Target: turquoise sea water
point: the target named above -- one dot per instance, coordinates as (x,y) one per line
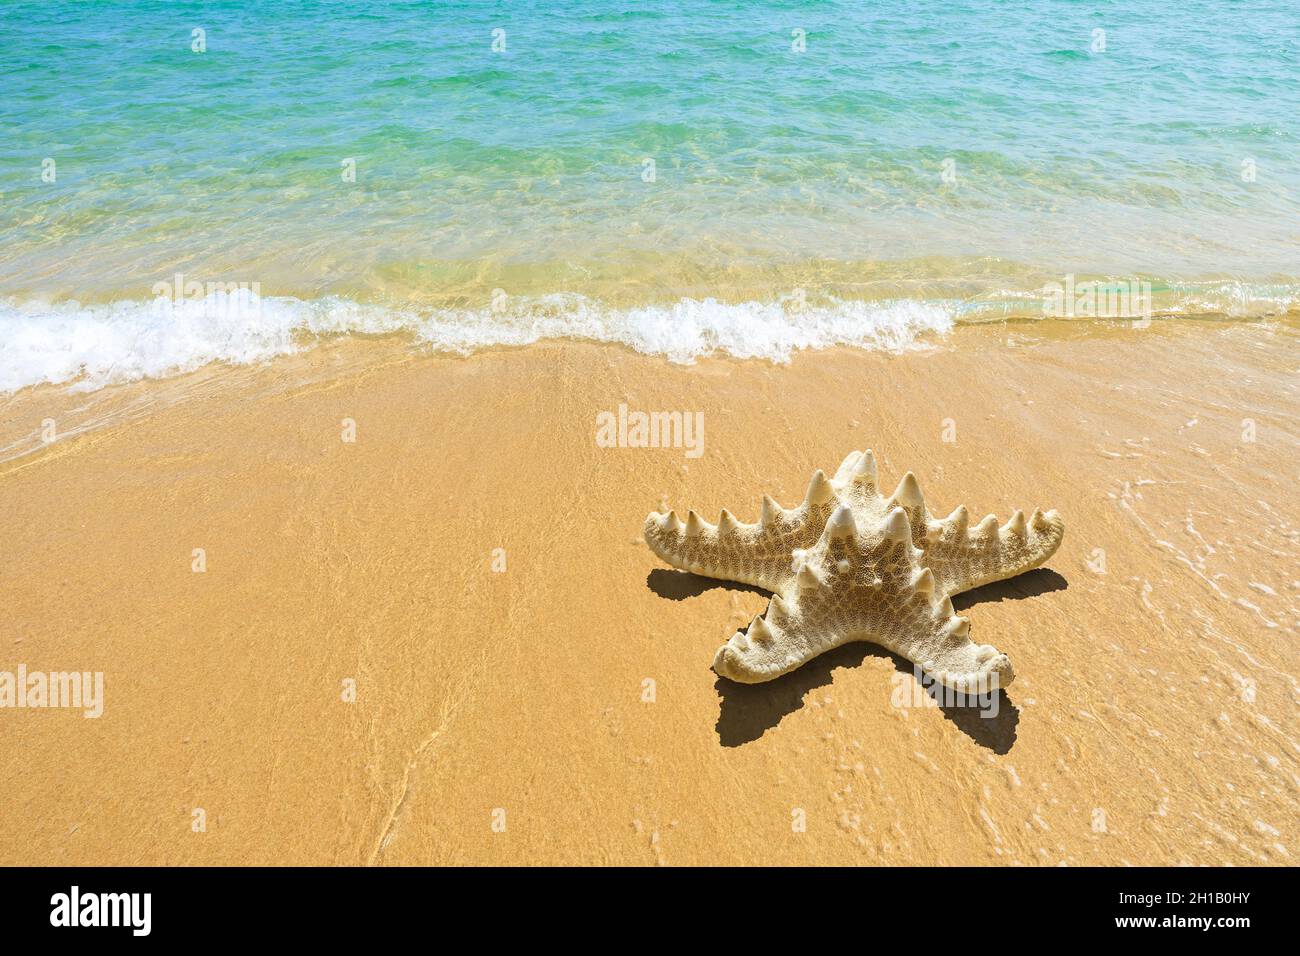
(892,167)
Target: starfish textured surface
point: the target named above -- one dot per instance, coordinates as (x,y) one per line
(849,564)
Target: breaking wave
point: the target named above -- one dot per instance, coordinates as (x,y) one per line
(90,346)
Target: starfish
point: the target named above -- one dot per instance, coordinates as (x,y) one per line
(849,564)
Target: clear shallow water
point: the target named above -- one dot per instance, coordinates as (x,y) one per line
(780,177)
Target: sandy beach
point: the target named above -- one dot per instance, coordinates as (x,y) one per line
(532,686)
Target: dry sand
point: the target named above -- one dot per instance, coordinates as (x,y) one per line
(1153,719)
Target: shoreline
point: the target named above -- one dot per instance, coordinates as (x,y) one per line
(183,327)
(1151,721)
(346,353)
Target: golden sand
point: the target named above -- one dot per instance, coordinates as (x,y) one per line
(504,716)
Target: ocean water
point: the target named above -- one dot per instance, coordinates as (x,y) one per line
(687,177)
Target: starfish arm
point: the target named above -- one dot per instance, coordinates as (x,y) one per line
(850,590)
(746,554)
(963,558)
(760,554)
(930,636)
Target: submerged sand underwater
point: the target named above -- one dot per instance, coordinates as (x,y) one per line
(502,710)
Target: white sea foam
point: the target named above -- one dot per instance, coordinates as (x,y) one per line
(90,346)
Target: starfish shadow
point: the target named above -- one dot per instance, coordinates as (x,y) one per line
(1027,585)
(747,711)
(680,585)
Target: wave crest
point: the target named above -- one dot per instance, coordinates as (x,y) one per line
(92,346)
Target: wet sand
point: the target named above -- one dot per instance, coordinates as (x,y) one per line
(501,715)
